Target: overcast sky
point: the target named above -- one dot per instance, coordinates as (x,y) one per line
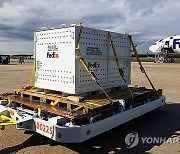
(146,20)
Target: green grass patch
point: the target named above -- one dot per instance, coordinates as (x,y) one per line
(133,59)
(177,60)
(150,59)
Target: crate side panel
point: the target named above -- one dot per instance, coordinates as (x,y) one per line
(113,73)
(97,52)
(121,44)
(98,67)
(55,59)
(94,43)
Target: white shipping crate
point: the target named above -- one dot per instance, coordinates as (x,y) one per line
(58,67)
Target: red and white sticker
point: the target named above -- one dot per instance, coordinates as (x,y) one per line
(43,129)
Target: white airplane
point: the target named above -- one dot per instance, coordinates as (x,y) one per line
(166,49)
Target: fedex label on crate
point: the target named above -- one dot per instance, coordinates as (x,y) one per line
(43,128)
(52,52)
(94,65)
(52,55)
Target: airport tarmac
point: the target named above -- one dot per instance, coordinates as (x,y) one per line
(161,125)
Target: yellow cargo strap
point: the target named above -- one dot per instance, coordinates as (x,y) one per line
(9,101)
(17,91)
(82,106)
(140,64)
(79,24)
(95,104)
(32,75)
(39,109)
(76,109)
(117,61)
(5,121)
(91,74)
(116,57)
(55,103)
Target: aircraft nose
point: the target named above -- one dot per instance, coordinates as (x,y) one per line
(154,48)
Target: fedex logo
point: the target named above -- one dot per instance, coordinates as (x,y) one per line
(94,65)
(52,55)
(176,42)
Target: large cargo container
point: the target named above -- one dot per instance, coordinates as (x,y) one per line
(58,66)
(74,119)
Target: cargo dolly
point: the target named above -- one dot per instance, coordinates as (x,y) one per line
(71,118)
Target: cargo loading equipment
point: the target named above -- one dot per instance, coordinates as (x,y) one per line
(84,112)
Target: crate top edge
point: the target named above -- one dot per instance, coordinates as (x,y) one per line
(44,29)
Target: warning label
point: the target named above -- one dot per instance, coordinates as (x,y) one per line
(93,51)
